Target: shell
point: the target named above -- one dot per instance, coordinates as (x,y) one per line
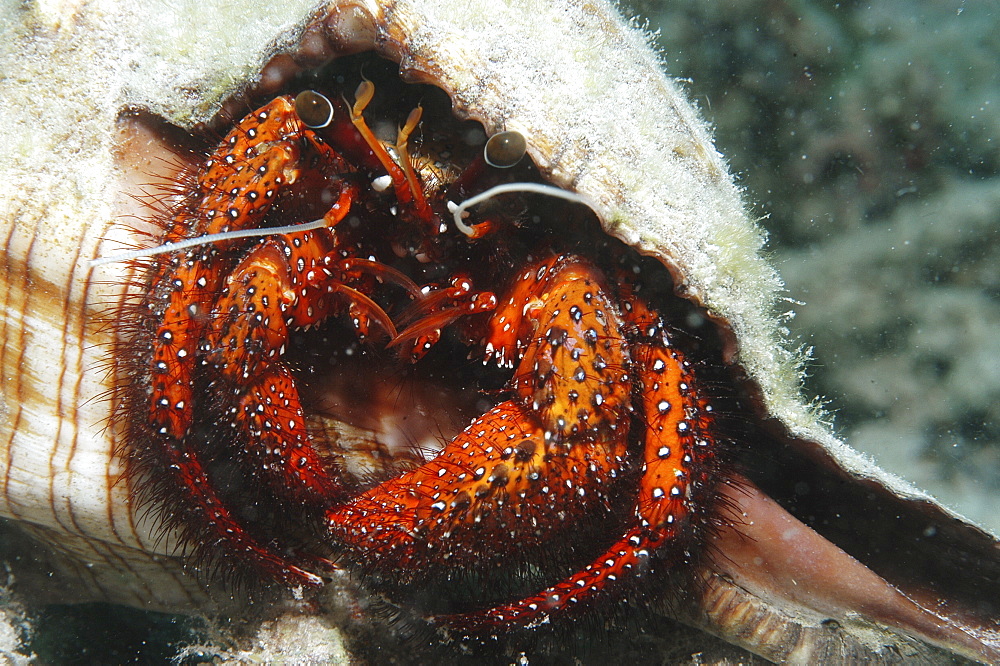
(602,120)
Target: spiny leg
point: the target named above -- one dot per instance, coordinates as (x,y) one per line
(500,481)
(291,280)
(288,282)
(236,187)
(680,440)
(272,426)
(679,446)
(529,467)
(209,524)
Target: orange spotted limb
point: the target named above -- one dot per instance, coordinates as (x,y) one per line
(501,482)
(289,281)
(574,370)
(270,417)
(258,158)
(678,447)
(208,523)
(532,465)
(236,187)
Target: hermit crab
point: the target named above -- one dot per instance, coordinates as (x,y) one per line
(211,352)
(621,464)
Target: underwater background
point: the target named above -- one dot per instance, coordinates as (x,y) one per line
(867,138)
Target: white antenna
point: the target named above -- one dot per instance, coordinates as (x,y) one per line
(533,188)
(205,240)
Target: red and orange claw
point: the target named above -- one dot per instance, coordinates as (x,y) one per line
(236,188)
(500,482)
(574,372)
(217,312)
(531,467)
(286,282)
(516,317)
(239,182)
(679,450)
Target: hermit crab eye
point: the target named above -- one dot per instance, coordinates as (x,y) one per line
(314,109)
(505,149)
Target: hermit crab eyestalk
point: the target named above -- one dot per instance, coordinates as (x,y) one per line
(505,149)
(314,109)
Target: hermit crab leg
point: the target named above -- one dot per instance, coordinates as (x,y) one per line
(270,418)
(236,187)
(290,281)
(500,481)
(680,446)
(208,522)
(678,453)
(234,190)
(531,466)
